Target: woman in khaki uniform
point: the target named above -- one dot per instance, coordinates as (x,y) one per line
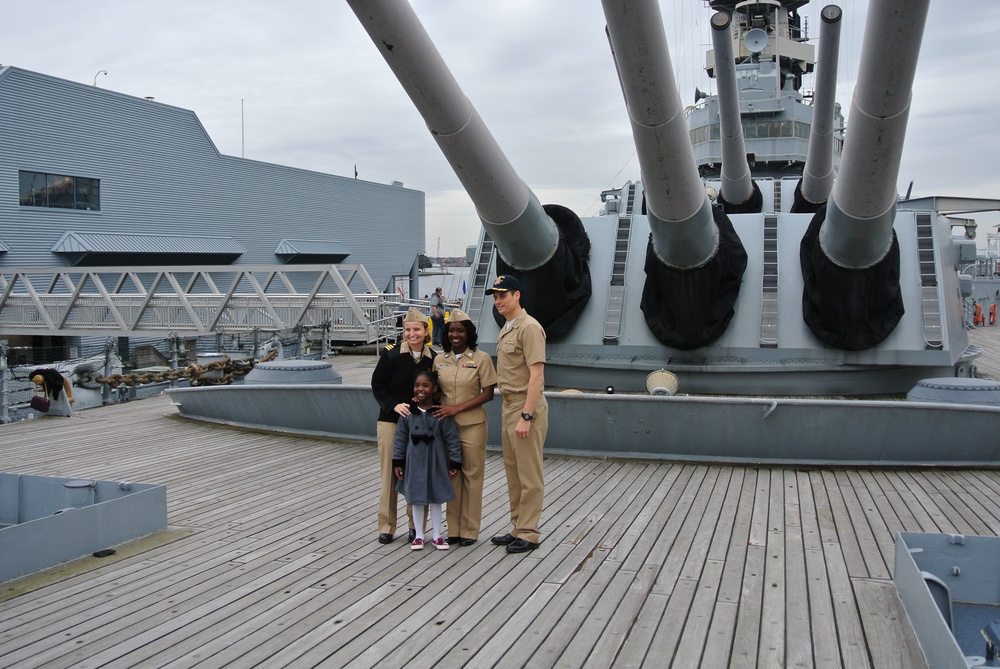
(467,379)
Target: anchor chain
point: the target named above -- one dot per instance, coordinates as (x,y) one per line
(194,373)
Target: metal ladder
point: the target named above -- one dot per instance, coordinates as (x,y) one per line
(480,273)
(769,286)
(929,302)
(616,291)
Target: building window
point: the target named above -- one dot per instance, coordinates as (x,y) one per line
(59,191)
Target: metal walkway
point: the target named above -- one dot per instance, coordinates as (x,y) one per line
(128,301)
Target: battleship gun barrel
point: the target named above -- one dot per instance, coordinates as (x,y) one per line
(737,186)
(524,234)
(850,257)
(857,232)
(680,213)
(817,176)
(694,260)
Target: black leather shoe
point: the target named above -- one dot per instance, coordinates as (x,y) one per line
(466,542)
(411,536)
(385,538)
(521,546)
(503,539)
(454,540)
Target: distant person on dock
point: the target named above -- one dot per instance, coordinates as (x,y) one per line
(392,385)
(520,380)
(437,315)
(56,388)
(426,454)
(467,380)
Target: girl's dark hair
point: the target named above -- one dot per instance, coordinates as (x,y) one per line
(429,373)
(470,330)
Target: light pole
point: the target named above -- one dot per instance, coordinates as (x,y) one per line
(99,72)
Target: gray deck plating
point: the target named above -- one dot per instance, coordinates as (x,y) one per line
(45,521)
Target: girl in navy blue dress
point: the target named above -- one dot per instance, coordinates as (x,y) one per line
(426,455)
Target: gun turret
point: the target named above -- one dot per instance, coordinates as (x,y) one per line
(799,302)
(547,246)
(849,254)
(818,174)
(695,260)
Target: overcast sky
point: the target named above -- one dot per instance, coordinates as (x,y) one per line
(301,84)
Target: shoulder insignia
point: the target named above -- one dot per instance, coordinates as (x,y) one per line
(389,347)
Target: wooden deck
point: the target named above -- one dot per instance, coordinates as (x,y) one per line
(271,560)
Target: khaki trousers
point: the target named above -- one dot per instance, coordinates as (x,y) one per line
(388,497)
(522,462)
(465,512)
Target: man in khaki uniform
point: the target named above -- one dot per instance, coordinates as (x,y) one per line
(520,379)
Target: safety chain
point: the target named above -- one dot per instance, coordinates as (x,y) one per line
(194,373)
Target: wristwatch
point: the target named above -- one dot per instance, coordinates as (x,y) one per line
(526,416)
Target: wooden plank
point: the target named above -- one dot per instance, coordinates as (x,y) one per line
(981,496)
(844,532)
(694,637)
(771,651)
(746,636)
(127,644)
(715,489)
(718,643)
(968,506)
(635,587)
(272,628)
(687,539)
(731,585)
(722,631)
(869,526)
(97,620)
(853,651)
(571,641)
(660,551)
(672,623)
(583,599)
(797,633)
(641,533)
(922,521)
(891,641)
(634,651)
(822,622)
(925,502)
(727,515)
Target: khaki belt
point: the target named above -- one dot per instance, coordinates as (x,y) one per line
(512,397)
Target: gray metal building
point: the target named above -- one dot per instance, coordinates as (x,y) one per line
(92,177)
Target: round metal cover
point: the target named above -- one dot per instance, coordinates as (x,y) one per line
(662,382)
(293,371)
(956,391)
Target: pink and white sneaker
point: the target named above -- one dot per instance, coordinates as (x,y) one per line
(440,544)
(417,545)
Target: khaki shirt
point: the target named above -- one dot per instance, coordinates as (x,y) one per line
(462,380)
(517,349)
